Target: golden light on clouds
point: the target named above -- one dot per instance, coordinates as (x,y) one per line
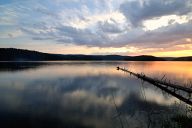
(188,40)
(173,51)
(178,53)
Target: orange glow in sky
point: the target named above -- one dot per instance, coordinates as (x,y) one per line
(178,53)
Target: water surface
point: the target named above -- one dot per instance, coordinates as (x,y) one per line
(84,94)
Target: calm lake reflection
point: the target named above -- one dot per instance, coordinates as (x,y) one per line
(84,94)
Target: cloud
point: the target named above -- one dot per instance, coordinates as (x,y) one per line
(164,36)
(9,32)
(138,11)
(78,36)
(111,35)
(100,24)
(168,34)
(110,27)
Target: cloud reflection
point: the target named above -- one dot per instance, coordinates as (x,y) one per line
(73,95)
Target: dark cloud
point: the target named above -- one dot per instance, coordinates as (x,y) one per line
(169,35)
(109,27)
(137,11)
(171,22)
(80,36)
(135,37)
(10,35)
(68,34)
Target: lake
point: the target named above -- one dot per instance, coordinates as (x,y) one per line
(83,94)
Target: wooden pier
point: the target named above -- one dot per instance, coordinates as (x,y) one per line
(168,87)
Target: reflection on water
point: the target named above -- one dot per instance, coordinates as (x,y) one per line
(79,94)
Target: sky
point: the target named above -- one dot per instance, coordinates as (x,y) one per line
(123,27)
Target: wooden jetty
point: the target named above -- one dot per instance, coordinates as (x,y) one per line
(168,87)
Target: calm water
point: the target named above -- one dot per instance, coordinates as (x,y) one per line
(84,94)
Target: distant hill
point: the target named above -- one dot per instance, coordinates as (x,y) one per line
(12,54)
(187,58)
(168,58)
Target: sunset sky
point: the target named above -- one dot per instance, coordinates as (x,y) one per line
(123,27)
